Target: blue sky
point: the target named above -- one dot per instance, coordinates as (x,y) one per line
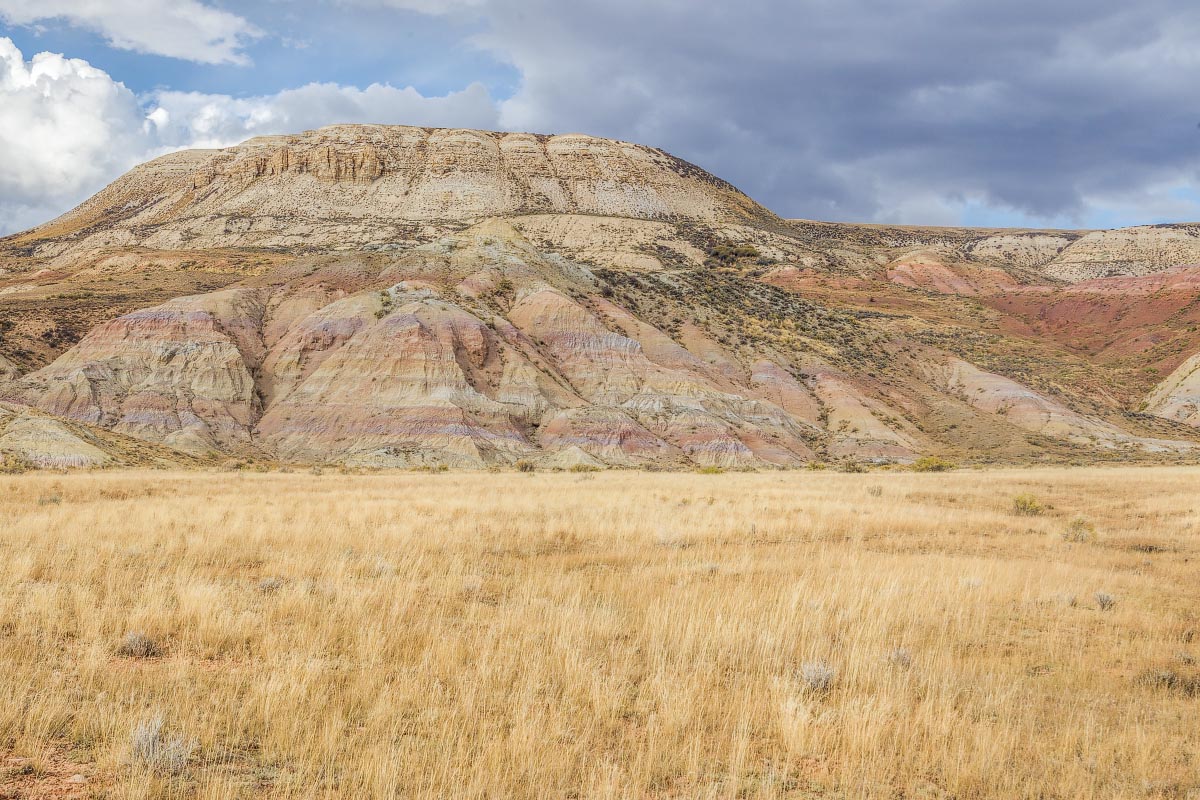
(325,43)
(1056,113)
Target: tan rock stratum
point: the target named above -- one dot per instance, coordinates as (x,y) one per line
(1178,397)
(393,296)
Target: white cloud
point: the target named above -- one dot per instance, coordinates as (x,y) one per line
(432,7)
(67,128)
(186,29)
(187,119)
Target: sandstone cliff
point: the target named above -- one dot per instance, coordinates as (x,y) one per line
(355,186)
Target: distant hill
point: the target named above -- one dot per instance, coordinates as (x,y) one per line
(395,296)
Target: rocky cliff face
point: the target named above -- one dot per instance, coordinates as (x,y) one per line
(354,186)
(379,296)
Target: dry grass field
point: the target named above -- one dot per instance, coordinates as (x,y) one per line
(607,635)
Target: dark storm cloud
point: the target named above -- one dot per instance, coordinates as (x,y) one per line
(926,111)
(878,110)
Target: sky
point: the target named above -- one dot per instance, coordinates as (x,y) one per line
(1054,113)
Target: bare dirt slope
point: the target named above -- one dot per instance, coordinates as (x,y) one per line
(391,296)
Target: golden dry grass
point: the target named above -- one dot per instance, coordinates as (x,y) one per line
(619,635)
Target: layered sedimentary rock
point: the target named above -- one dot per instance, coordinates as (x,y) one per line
(1050,256)
(929,271)
(32,438)
(177,374)
(45,442)
(1129,251)
(1035,412)
(391,296)
(417,374)
(1178,397)
(424,382)
(376,185)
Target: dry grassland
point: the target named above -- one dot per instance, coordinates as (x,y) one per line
(611,635)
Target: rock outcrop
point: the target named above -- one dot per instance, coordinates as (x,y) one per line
(1178,397)
(1128,251)
(1035,412)
(30,438)
(395,297)
(378,185)
(923,257)
(42,441)
(412,374)
(175,374)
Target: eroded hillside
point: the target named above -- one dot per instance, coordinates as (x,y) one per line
(383,296)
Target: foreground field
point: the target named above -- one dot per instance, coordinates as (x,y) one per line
(807,635)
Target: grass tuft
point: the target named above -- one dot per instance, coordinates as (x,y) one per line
(138,645)
(152,748)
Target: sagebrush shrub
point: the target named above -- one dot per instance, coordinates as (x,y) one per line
(1080,529)
(270,585)
(1172,681)
(1026,505)
(138,645)
(150,747)
(932,464)
(817,676)
(900,657)
(13,464)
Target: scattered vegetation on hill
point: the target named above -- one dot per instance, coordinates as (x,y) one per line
(746,313)
(728,254)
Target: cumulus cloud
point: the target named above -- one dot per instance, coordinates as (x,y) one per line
(185,29)
(187,119)
(67,128)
